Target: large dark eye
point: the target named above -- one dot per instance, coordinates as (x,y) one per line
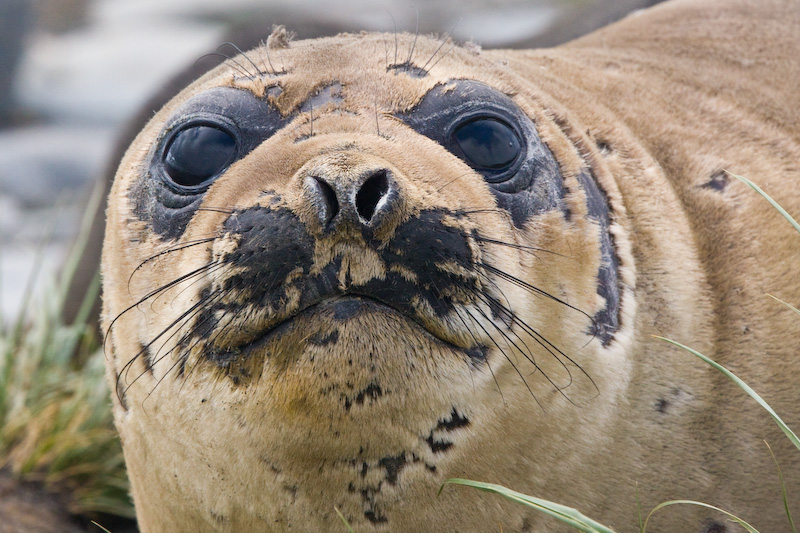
(487,143)
(197,154)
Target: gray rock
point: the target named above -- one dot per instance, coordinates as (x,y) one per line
(40,164)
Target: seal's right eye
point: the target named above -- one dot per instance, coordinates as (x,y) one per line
(197,154)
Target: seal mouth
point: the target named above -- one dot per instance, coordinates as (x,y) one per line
(348,307)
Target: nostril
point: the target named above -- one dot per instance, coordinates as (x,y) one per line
(324,199)
(371,193)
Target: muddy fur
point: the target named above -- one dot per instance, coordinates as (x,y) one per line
(280,346)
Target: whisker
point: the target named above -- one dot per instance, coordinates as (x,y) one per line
(452,47)
(488,362)
(204,275)
(213,267)
(528,355)
(491,337)
(263,51)
(151,294)
(198,307)
(530,288)
(416,35)
(532,249)
(551,348)
(241,66)
(527,352)
(171,249)
(443,41)
(513,318)
(495,304)
(241,52)
(455,179)
(216,210)
(236,66)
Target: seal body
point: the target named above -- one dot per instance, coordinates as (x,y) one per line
(339,272)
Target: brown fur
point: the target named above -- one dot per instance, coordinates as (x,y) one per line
(656,106)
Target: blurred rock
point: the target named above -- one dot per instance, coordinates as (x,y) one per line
(40,164)
(26,508)
(15,22)
(58,16)
(102,74)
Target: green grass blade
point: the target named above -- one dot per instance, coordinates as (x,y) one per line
(568,515)
(735,518)
(775,204)
(346,523)
(783,489)
(745,387)
(790,306)
(101,527)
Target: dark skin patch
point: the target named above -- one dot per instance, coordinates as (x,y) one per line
(372,391)
(717,182)
(455,421)
(606,321)
(451,423)
(409,69)
(318,339)
(662,405)
(371,513)
(478,354)
(436,445)
(329,94)
(716,527)
(346,309)
(604,148)
(393,465)
(147,358)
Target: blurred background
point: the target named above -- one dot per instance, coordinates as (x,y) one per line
(78,77)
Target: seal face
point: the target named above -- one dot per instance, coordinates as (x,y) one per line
(342,282)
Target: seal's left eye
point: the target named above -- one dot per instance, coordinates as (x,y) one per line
(197,154)
(487,143)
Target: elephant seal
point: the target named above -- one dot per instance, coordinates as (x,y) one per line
(338,272)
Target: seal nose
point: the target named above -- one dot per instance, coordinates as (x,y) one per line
(361,202)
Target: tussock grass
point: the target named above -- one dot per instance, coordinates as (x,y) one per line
(56,426)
